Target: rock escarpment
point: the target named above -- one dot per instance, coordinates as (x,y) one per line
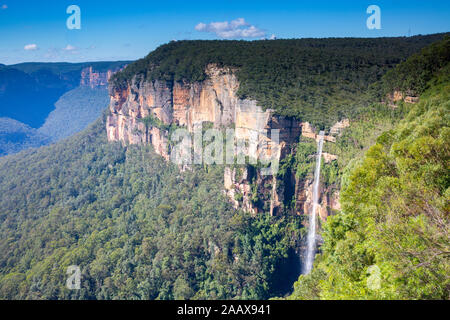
(94,79)
(328,200)
(214,100)
(309,132)
(186,105)
(396,96)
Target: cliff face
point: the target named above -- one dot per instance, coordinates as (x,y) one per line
(129,106)
(328,201)
(96,79)
(213,100)
(396,96)
(309,132)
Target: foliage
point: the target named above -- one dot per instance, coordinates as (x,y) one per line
(152,121)
(413,75)
(364,130)
(315,80)
(16,136)
(391,241)
(329,173)
(305,157)
(74,111)
(136,226)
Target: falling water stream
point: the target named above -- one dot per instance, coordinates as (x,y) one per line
(311,249)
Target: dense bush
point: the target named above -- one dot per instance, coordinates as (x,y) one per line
(74,111)
(413,76)
(391,240)
(137,227)
(316,80)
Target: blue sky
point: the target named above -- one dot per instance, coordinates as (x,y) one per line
(127,30)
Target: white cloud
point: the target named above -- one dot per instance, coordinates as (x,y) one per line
(238,28)
(201,27)
(69,48)
(4,7)
(31,47)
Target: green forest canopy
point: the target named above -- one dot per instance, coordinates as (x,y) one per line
(316,80)
(136,226)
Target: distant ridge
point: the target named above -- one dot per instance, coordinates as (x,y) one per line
(64,67)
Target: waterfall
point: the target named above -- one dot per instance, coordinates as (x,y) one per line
(312,216)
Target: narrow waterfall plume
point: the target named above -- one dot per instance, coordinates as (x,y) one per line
(311,250)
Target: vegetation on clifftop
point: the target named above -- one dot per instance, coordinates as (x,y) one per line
(140,229)
(315,80)
(413,76)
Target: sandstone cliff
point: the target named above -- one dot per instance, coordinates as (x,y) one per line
(213,100)
(328,201)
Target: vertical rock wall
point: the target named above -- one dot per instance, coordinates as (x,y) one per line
(213,100)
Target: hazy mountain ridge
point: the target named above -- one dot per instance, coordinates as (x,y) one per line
(16,136)
(74,111)
(29,92)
